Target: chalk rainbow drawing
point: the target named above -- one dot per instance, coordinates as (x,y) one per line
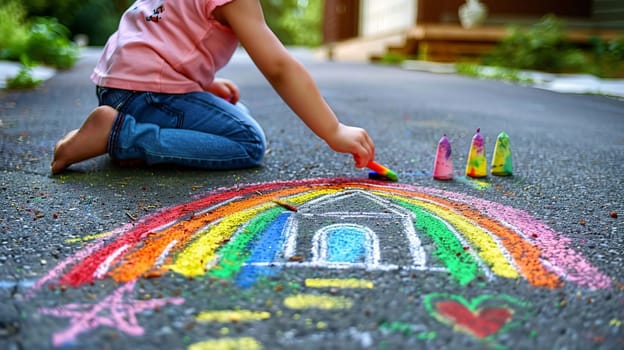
(239,233)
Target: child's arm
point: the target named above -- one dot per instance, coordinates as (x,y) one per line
(292,82)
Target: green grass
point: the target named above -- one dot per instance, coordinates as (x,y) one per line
(496,73)
(23,80)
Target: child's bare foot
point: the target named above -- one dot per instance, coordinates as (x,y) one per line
(87,142)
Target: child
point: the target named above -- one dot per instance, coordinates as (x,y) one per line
(161,103)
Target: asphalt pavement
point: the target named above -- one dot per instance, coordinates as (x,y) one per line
(109,257)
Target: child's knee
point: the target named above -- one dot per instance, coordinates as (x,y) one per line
(106,112)
(256,152)
(102,116)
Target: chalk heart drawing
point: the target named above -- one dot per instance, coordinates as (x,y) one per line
(481,317)
(240,233)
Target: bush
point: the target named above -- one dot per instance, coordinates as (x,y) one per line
(607,57)
(294,22)
(95,18)
(13,30)
(44,40)
(541,47)
(48,43)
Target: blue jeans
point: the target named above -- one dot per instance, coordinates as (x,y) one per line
(195,129)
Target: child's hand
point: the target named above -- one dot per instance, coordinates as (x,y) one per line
(349,139)
(225,89)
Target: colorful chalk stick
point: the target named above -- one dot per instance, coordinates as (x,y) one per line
(501,160)
(476,165)
(443,164)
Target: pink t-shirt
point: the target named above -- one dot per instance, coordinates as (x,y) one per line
(171,46)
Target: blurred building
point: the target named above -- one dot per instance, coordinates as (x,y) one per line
(431,29)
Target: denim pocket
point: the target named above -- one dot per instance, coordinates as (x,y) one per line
(115,98)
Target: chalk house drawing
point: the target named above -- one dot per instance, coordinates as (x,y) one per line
(351,242)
